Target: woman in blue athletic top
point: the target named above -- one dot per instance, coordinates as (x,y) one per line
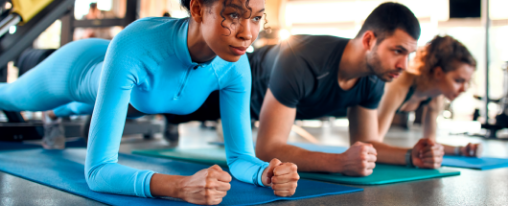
(441,69)
(160,65)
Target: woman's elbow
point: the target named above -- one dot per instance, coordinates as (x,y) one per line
(91,177)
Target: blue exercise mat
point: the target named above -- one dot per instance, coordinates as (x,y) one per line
(65,170)
(482,163)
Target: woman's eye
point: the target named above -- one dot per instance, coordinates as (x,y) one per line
(257,18)
(234,15)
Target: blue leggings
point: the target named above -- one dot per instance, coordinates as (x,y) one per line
(58,81)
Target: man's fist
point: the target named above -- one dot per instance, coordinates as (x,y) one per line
(359,160)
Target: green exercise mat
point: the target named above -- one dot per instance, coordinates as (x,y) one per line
(383,173)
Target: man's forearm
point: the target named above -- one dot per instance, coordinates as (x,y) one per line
(389,154)
(307,161)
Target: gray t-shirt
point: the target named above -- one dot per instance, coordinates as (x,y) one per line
(302,73)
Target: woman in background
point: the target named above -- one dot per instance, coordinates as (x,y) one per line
(441,69)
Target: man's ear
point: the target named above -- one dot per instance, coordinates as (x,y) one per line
(197,10)
(368,40)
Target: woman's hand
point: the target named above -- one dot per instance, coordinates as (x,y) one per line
(206,187)
(471,150)
(427,154)
(282,177)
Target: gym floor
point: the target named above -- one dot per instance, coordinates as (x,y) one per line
(472,187)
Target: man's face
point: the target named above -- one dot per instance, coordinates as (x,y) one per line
(389,58)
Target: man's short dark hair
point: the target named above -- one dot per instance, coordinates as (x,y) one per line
(388,17)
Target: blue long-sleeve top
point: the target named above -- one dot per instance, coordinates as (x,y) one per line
(149,66)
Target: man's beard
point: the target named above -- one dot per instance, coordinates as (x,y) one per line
(375,68)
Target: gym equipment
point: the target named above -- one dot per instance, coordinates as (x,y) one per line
(30,58)
(34,17)
(22,12)
(34,130)
(64,170)
(17,129)
(383,173)
(4,146)
(502,116)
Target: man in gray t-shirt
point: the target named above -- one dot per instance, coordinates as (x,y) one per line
(301,73)
(314,76)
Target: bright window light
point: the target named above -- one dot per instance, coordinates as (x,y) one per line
(12,30)
(104,5)
(284,34)
(250,49)
(447,114)
(81,8)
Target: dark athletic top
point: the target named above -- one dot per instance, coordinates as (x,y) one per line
(409,95)
(302,73)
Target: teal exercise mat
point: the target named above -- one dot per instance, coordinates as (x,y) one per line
(383,174)
(482,163)
(64,170)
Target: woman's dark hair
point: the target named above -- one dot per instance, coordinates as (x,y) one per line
(186,5)
(445,52)
(388,17)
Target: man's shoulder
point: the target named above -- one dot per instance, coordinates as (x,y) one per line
(315,39)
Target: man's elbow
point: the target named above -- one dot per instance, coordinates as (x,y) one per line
(366,140)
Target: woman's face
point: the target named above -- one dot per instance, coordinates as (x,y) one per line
(454,82)
(230,29)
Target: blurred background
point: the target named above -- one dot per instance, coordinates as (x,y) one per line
(465,20)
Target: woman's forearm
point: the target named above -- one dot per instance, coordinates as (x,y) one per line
(166,185)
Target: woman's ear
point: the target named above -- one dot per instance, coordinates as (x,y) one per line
(438,73)
(197,10)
